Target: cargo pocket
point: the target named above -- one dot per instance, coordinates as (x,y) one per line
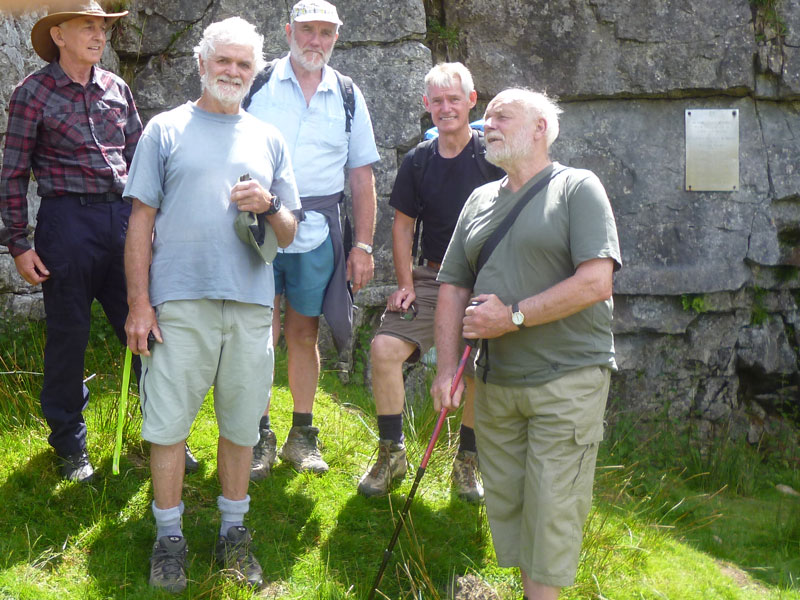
(587,440)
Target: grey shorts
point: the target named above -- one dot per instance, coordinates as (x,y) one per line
(538,447)
(207,343)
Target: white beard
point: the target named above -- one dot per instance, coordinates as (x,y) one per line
(226,95)
(514,148)
(315,63)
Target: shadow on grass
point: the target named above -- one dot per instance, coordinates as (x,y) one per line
(433,546)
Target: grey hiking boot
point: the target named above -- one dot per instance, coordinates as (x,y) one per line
(190,462)
(301,450)
(264,453)
(233,554)
(465,476)
(390,465)
(168,563)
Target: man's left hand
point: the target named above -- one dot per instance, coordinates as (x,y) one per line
(360,268)
(251,196)
(489,319)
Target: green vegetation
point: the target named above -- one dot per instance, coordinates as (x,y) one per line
(442,40)
(671,519)
(694,302)
(768,21)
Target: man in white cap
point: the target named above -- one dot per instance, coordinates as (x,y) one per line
(75,126)
(326,124)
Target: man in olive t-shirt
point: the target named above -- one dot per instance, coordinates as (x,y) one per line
(544,311)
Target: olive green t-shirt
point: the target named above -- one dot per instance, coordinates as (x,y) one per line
(567,223)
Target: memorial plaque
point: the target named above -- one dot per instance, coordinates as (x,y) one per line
(712,150)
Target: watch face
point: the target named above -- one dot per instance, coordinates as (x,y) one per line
(517,318)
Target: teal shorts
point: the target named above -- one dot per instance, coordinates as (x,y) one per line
(207,343)
(303,277)
(538,447)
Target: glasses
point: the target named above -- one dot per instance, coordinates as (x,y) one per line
(410,314)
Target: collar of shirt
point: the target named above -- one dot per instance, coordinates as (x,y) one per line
(63,80)
(285,71)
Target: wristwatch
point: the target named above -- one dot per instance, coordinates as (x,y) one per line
(365,247)
(517,318)
(276,206)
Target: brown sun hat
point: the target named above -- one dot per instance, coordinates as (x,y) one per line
(41,40)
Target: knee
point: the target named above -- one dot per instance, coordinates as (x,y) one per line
(387,352)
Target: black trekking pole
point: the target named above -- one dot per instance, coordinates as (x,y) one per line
(387,554)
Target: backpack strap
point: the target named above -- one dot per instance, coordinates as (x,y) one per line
(420,158)
(479,154)
(259,81)
(348,98)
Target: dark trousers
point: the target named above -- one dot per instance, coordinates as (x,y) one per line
(82,245)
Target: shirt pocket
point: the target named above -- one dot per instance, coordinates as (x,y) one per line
(109,120)
(329,130)
(65,127)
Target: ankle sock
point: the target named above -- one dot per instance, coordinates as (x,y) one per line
(232,513)
(390,427)
(264,422)
(302,419)
(466,439)
(168,520)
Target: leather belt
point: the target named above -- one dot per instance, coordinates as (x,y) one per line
(105,197)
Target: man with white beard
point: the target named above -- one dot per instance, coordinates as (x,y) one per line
(541,304)
(326,133)
(202,295)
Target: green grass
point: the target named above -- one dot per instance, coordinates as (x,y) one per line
(659,527)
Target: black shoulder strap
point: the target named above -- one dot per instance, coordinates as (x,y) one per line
(419,159)
(259,81)
(348,98)
(479,154)
(508,221)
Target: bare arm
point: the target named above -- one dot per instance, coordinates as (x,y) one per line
(138,252)
(402,240)
(450,308)
(591,283)
(360,265)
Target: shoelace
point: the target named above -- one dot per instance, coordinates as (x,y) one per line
(382,463)
(168,563)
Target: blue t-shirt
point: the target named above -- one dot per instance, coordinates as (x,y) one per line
(185,165)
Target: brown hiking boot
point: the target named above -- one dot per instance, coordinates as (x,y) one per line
(465,476)
(390,465)
(264,454)
(301,450)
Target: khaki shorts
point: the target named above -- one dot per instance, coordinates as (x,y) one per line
(538,447)
(419,331)
(207,342)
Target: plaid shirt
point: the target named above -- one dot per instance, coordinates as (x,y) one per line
(76,139)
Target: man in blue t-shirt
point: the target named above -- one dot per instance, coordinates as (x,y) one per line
(202,293)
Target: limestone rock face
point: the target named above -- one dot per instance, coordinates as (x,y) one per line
(707,320)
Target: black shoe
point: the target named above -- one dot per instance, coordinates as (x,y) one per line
(192,466)
(168,563)
(76,467)
(233,553)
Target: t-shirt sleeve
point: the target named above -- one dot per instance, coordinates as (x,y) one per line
(361,148)
(592,229)
(403,197)
(147,173)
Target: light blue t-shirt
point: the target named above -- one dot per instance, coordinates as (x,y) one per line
(185,165)
(315,135)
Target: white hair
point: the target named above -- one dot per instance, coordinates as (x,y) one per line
(236,31)
(444,75)
(537,106)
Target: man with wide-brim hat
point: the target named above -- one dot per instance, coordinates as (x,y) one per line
(75,126)
(43,39)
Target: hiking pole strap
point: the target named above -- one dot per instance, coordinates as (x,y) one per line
(122,409)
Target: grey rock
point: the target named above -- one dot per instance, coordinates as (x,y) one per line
(780,124)
(392,80)
(606,47)
(766,349)
(381,20)
(690,242)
